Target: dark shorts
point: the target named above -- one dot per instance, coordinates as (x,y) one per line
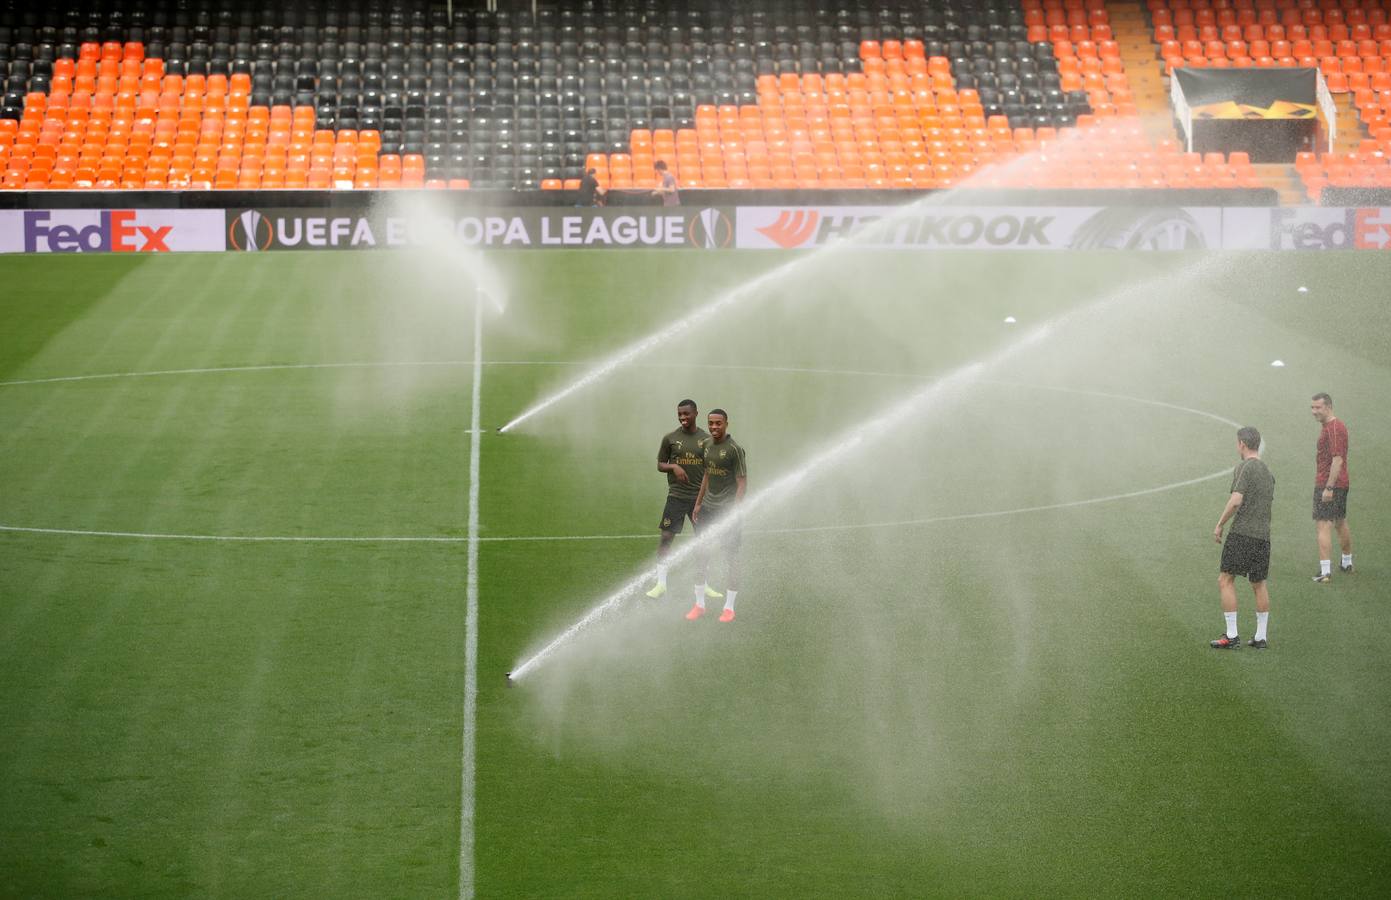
(1334,509)
(710,516)
(677,510)
(1242,555)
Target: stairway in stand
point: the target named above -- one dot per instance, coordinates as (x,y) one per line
(1350,132)
(1143,68)
(1150,85)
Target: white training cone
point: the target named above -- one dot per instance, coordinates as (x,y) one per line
(1278,364)
(1009,320)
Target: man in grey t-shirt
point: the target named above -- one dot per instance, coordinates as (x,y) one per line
(666,185)
(1247,548)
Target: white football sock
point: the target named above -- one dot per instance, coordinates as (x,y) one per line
(729,598)
(1325,567)
(662,576)
(1231,624)
(1347,560)
(700,595)
(1261,618)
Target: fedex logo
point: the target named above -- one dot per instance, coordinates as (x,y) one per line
(114,231)
(1318,228)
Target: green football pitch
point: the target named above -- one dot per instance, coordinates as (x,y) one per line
(971,651)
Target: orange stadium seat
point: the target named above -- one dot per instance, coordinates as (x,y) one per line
(894,116)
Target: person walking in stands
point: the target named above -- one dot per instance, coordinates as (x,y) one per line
(1247,550)
(666,185)
(1331,488)
(591,193)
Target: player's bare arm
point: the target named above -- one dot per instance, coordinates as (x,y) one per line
(740,485)
(673,469)
(700,496)
(1334,470)
(1233,504)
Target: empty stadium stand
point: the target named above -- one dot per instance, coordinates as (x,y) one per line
(1341,37)
(764,94)
(917,96)
(1349,41)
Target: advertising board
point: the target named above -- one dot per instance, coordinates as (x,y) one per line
(110,230)
(265,229)
(915,227)
(924,226)
(1327,228)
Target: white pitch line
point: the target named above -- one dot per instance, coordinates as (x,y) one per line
(553,538)
(240,538)
(518,363)
(215,370)
(787,370)
(469,764)
(960,517)
(316,539)
(291,367)
(637,581)
(475,431)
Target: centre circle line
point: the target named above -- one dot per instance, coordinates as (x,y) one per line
(552,538)
(452,539)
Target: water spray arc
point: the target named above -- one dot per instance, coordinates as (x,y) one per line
(745,291)
(866,235)
(749,290)
(841,445)
(786,486)
(657,339)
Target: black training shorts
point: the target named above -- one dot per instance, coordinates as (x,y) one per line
(1334,509)
(677,510)
(1248,556)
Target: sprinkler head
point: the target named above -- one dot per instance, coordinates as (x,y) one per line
(510,682)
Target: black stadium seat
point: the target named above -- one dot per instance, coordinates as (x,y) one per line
(516,95)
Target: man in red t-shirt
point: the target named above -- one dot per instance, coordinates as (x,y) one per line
(1331,488)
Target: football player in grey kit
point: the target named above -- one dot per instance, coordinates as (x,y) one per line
(680,456)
